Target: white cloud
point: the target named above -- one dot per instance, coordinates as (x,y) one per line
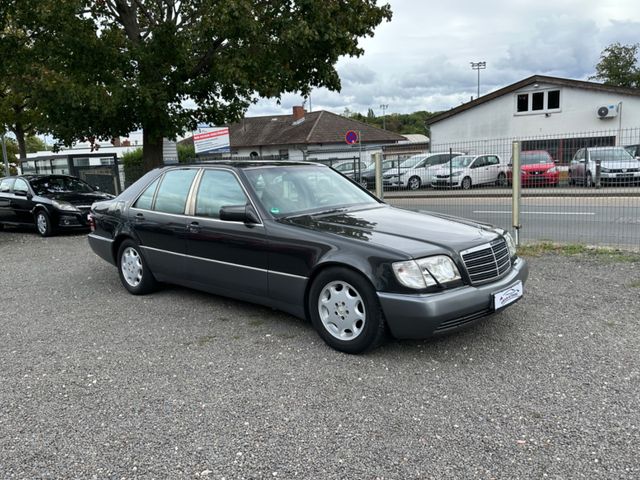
(420,60)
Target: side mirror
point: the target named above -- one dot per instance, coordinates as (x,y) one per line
(21,193)
(239,213)
(96,188)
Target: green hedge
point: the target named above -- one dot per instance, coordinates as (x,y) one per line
(132,164)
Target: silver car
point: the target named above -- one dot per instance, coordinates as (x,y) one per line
(616,166)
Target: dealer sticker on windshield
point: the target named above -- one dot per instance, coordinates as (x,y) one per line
(507,296)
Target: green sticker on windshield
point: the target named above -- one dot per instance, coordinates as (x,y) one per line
(275,210)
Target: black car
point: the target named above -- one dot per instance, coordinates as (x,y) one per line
(302,238)
(48,202)
(368,176)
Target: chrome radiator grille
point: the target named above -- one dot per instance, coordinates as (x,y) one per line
(487,262)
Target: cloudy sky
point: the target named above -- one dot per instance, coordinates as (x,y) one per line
(420,60)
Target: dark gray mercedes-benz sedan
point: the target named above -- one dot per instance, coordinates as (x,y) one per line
(302,238)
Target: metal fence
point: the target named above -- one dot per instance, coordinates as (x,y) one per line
(576,188)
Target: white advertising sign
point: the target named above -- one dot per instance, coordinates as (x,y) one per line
(215,140)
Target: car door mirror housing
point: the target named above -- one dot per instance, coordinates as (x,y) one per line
(21,193)
(239,213)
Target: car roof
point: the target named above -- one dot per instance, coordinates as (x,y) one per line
(246,164)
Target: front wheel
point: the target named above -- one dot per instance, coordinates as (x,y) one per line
(345,311)
(134,273)
(502,180)
(414,183)
(43,223)
(589,181)
(466,183)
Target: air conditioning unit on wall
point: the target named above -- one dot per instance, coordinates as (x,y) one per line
(607,111)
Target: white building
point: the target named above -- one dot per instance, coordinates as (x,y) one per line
(549,113)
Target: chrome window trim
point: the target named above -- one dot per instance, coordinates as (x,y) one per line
(191,196)
(223,263)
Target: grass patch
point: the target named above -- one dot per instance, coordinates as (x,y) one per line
(603,253)
(635,284)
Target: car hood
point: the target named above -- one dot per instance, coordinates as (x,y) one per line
(533,167)
(445,170)
(619,164)
(415,234)
(78,198)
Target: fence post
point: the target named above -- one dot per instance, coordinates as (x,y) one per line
(377,158)
(516,193)
(7,170)
(450,167)
(597,181)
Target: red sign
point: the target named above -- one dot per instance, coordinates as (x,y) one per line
(351,137)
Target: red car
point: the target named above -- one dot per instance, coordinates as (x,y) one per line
(536,168)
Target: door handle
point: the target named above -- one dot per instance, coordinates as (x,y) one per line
(139,217)
(193,227)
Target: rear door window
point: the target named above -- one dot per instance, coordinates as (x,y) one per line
(173,191)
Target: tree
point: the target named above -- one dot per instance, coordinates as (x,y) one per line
(18,80)
(112,66)
(619,66)
(370,114)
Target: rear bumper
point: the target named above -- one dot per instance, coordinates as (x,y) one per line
(102,246)
(425,315)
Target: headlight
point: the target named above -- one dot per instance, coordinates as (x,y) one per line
(552,170)
(604,170)
(456,174)
(426,272)
(523,172)
(511,244)
(66,206)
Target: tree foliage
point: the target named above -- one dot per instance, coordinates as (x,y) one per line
(619,66)
(403,123)
(113,66)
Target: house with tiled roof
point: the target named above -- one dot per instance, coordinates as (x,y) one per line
(293,136)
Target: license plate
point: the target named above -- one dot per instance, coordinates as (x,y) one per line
(507,296)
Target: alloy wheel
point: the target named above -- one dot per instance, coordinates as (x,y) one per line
(131,266)
(341,309)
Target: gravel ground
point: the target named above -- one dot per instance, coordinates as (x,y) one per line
(96,383)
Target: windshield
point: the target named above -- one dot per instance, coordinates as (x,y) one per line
(610,155)
(460,162)
(293,190)
(531,158)
(631,149)
(45,185)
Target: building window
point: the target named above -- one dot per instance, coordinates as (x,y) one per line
(538,102)
(284,154)
(523,102)
(553,99)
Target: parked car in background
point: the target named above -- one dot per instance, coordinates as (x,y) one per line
(617,166)
(416,171)
(352,168)
(633,150)
(368,176)
(466,171)
(301,238)
(48,202)
(537,167)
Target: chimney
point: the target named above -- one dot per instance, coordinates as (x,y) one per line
(298,113)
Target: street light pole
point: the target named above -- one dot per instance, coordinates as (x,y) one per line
(384,118)
(478,66)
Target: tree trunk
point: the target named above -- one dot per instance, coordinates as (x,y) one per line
(20,138)
(152,150)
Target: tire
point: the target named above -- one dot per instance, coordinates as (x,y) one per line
(43,223)
(132,268)
(466,183)
(345,312)
(502,180)
(571,180)
(414,183)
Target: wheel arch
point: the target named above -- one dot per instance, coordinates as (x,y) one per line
(325,266)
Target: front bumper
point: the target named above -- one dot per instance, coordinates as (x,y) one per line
(425,315)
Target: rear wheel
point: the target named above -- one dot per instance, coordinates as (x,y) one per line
(502,180)
(466,183)
(414,183)
(43,223)
(134,273)
(345,311)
